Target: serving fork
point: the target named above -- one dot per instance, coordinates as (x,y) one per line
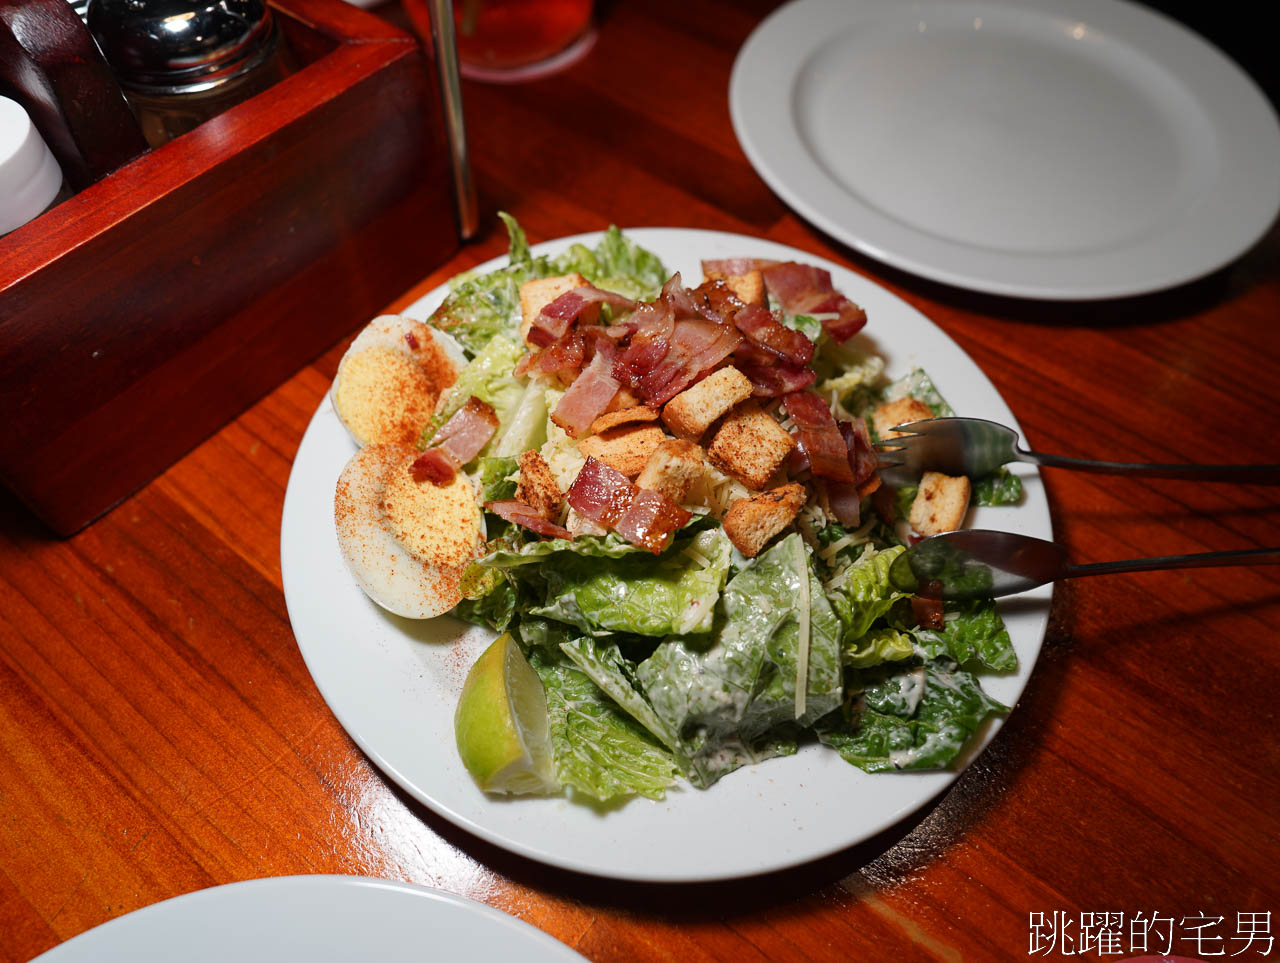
(974,448)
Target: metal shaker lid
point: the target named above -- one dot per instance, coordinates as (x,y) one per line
(181,46)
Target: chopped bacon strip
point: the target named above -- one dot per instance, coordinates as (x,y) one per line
(862,457)
(717,301)
(622,329)
(928,611)
(776,380)
(587,397)
(683,304)
(649,518)
(804,289)
(763,329)
(468,430)
(600,493)
(649,344)
(818,437)
(845,502)
(518,513)
(641,516)
(435,465)
(826,452)
(696,347)
(704,343)
(748,353)
(596,339)
(808,410)
(580,304)
(565,356)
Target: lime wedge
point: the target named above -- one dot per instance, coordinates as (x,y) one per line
(501,723)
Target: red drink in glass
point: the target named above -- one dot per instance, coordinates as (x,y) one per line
(497,35)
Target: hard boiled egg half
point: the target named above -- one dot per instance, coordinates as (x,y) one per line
(390,378)
(405,539)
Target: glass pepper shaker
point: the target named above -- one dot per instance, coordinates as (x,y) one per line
(182,62)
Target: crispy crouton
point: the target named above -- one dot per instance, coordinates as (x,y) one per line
(751,522)
(625,448)
(536,295)
(537,487)
(692,412)
(940,504)
(748,288)
(623,416)
(673,469)
(750,445)
(902,411)
(625,398)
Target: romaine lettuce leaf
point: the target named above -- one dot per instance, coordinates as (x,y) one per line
(599,750)
(518,253)
(527,426)
(847,373)
(488,598)
(494,474)
(543,635)
(904,721)
(863,593)
(480,307)
(511,553)
(506,554)
(671,594)
(623,266)
(920,386)
(605,665)
(877,646)
(1001,487)
(970,630)
(734,701)
(809,326)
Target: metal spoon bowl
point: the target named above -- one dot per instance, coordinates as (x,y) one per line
(980,564)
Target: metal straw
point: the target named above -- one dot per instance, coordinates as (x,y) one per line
(446,48)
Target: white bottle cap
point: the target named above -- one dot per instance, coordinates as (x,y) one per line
(29,176)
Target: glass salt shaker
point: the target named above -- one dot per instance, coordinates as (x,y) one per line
(182,62)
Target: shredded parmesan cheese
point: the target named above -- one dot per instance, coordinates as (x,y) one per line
(802,638)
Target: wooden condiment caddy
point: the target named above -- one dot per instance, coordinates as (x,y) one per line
(140,315)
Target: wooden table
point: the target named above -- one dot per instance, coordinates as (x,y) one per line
(159,732)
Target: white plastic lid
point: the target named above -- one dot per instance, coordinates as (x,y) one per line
(29,176)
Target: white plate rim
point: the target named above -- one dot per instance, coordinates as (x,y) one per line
(276,897)
(1220,226)
(339,674)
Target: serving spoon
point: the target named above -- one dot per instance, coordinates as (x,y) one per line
(981,564)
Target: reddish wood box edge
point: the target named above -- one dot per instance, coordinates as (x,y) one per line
(142,314)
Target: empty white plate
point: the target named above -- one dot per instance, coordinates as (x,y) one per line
(319,919)
(1040,148)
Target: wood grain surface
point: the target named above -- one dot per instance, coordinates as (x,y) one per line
(207,270)
(159,732)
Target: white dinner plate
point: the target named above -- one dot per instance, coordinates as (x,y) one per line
(318,919)
(1056,149)
(393,683)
